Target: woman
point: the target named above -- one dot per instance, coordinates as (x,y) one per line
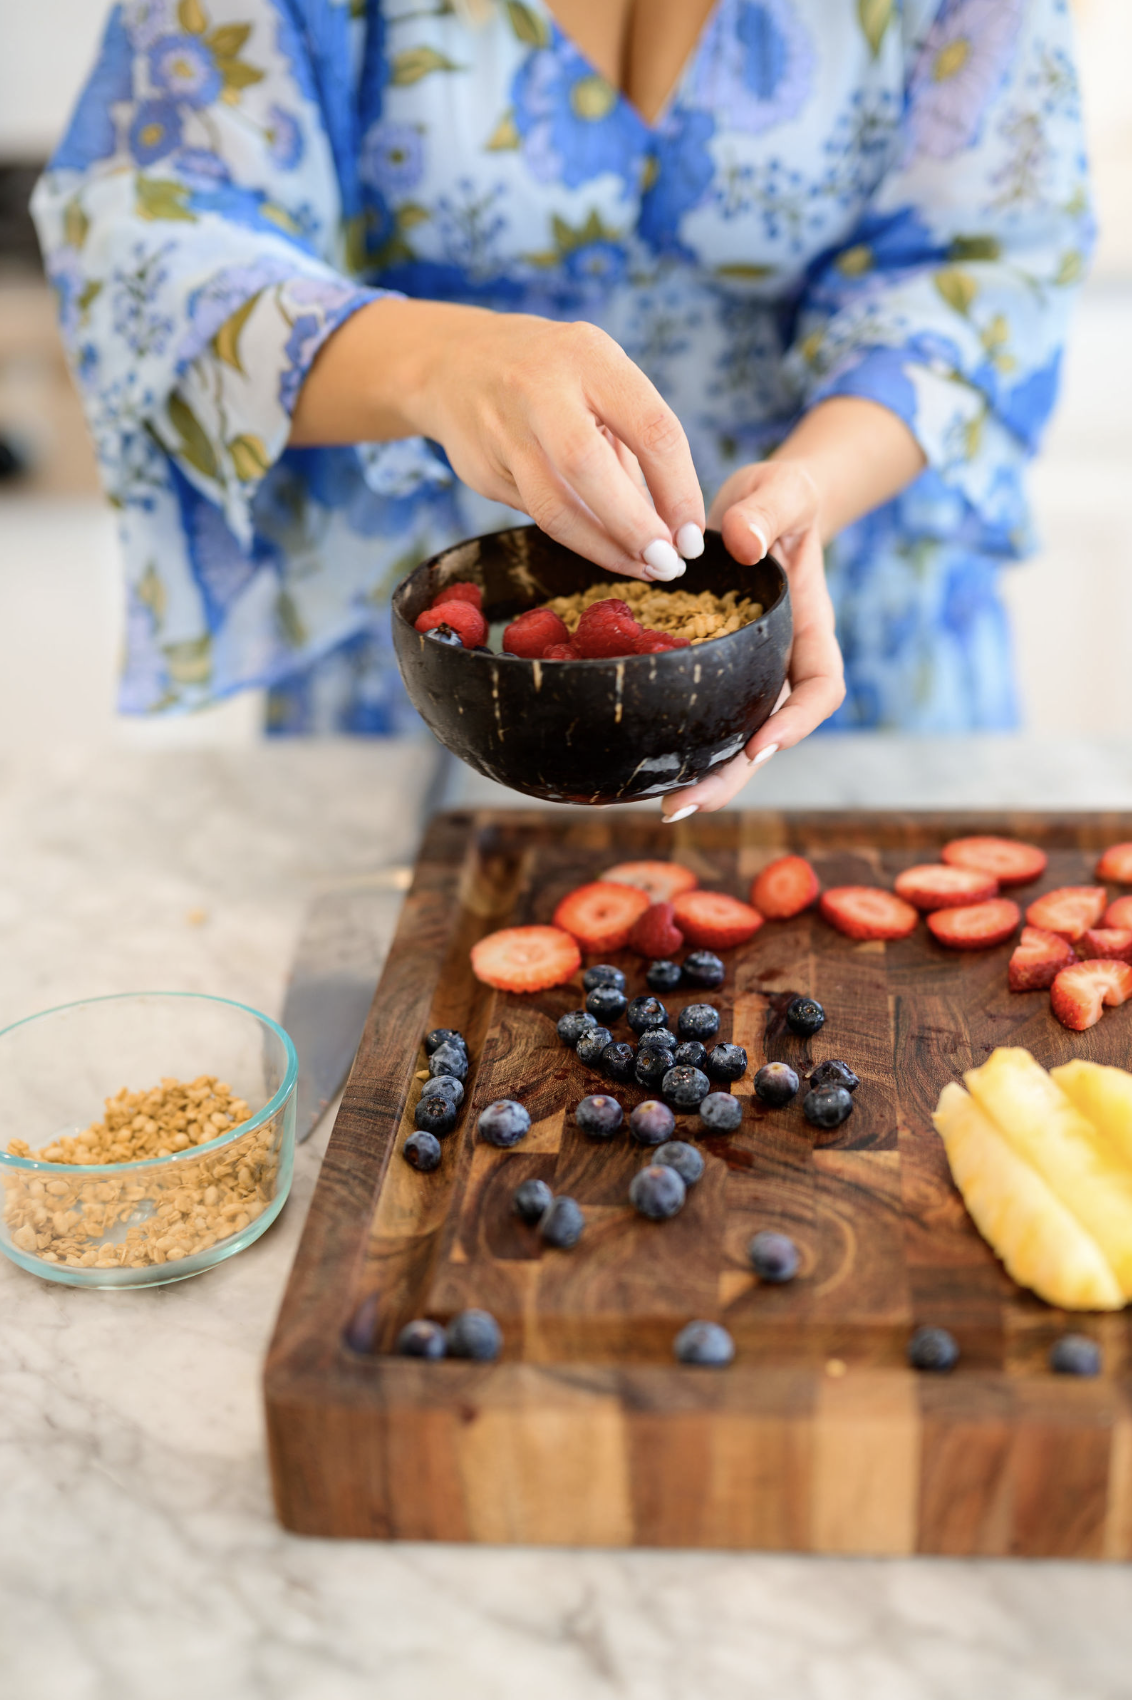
(344,282)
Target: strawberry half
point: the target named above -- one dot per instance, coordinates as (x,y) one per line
(662,880)
(1038,959)
(1069,910)
(710,920)
(1109,944)
(977,927)
(601,915)
(934,885)
(1007,860)
(1119,913)
(1081,991)
(655,933)
(1116,864)
(784,888)
(525,959)
(867,912)
(463,590)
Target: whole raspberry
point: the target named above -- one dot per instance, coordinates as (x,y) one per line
(659,643)
(467,622)
(606,630)
(462,591)
(560,652)
(532,634)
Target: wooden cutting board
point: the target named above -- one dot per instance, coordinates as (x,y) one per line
(586,1431)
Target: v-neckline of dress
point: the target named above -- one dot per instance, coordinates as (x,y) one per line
(653,126)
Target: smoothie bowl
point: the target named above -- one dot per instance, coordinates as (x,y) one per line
(591,730)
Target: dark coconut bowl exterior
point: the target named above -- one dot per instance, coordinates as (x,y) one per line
(590,731)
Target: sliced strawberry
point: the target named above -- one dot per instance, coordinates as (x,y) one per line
(1069,910)
(1007,860)
(976,927)
(1038,959)
(655,933)
(934,885)
(867,912)
(1119,913)
(784,888)
(526,959)
(662,880)
(1080,992)
(467,622)
(601,915)
(1110,944)
(533,633)
(463,590)
(710,920)
(1116,864)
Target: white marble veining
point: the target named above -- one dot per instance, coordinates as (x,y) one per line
(139,1559)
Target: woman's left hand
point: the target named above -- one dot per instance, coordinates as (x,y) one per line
(772,508)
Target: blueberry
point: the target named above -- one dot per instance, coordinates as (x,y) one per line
(934,1349)
(644,1013)
(422,1151)
(446,1086)
(599,1116)
(422,1339)
(606,1003)
(474,1334)
(449,1059)
(531,1200)
(664,976)
(572,1026)
(658,1039)
(444,1036)
(691,1054)
(804,1016)
(603,975)
(445,634)
(617,1060)
(776,1083)
(827,1106)
(720,1112)
(703,968)
(774,1257)
(685,1087)
(503,1123)
(652,1123)
(698,1021)
(835,1074)
(651,1067)
(435,1113)
(563,1223)
(704,1344)
(1075,1354)
(684,1158)
(657,1192)
(591,1044)
(726,1062)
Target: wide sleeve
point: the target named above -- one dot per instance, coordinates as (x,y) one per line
(948,303)
(196,221)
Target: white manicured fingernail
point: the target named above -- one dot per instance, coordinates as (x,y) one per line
(758,532)
(690,541)
(663,559)
(764,755)
(680,814)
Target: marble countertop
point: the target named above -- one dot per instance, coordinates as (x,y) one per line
(138,1552)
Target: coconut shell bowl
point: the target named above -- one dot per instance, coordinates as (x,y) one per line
(600,731)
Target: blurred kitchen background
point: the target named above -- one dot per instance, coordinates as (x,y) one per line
(60,604)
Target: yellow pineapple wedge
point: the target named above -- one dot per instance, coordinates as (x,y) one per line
(1104,1096)
(1042,1245)
(1042,1126)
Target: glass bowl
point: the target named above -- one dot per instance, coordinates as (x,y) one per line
(141,1223)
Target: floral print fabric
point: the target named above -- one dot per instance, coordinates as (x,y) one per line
(880,198)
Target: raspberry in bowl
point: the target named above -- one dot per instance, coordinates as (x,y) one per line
(636,714)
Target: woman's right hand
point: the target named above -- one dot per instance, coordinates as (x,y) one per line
(552,419)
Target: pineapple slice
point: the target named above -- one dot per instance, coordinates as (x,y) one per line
(1104,1096)
(1042,1245)
(1043,1127)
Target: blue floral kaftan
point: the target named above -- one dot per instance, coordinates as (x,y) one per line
(881,198)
